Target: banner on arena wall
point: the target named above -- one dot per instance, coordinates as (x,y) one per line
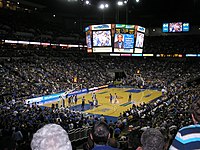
(79,92)
(97,88)
(53,96)
(93,89)
(103,86)
(33,100)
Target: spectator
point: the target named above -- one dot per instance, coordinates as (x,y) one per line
(188,137)
(152,139)
(17,136)
(51,137)
(101,135)
(117,132)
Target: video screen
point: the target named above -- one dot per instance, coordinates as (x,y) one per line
(125,41)
(139,40)
(88,41)
(186,27)
(102,38)
(175,27)
(124,38)
(165,27)
(115,38)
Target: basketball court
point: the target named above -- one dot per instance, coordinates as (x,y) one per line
(114,109)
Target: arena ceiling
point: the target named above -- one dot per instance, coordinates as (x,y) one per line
(146,12)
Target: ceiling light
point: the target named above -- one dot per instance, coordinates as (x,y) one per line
(119,3)
(137,1)
(106,5)
(87,2)
(102,6)
(126,1)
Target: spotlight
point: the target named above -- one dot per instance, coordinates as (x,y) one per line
(106,5)
(101,6)
(137,1)
(87,2)
(119,3)
(126,1)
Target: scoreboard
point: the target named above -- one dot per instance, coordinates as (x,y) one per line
(114,38)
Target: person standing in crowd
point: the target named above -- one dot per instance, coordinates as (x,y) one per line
(117,132)
(152,139)
(17,136)
(188,138)
(51,137)
(100,135)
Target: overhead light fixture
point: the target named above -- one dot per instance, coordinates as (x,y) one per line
(103,5)
(137,1)
(126,1)
(87,2)
(120,3)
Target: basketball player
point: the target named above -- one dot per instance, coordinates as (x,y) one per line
(96,103)
(111,98)
(76,99)
(129,97)
(69,101)
(115,98)
(83,103)
(93,96)
(73,99)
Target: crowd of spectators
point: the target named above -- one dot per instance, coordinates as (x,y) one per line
(171,112)
(182,44)
(34,76)
(32,72)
